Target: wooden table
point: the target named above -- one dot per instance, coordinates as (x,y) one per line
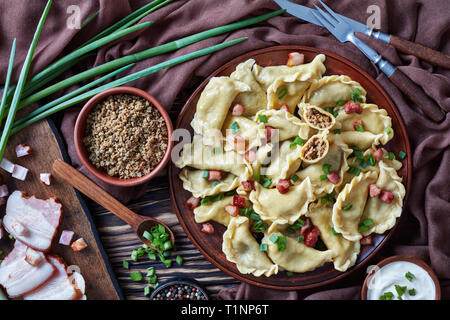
(119,240)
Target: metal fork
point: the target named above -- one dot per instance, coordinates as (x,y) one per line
(345,33)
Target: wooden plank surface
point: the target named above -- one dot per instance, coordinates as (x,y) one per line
(46,149)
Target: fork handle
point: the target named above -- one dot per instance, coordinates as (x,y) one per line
(417,95)
(432,56)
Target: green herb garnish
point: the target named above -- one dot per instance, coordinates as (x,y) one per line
(334,232)
(387,296)
(365,225)
(359,128)
(294,178)
(412,292)
(147,290)
(282,93)
(371,160)
(347,207)
(281,243)
(136,276)
(267,182)
(402,155)
(400,290)
(323,177)
(125,265)
(179,260)
(354,170)
(296,226)
(388,130)
(263,247)
(205,174)
(234,127)
(273,238)
(356,95)
(298,141)
(150,271)
(262,118)
(409,276)
(391,156)
(340,103)
(326,168)
(300,239)
(337,131)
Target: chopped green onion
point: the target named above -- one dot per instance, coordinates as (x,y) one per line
(216,183)
(409,276)
(329,110)
(296,226)
(179,260)
(387,296)
(11,237)
(298,141)
(326,168)
(412,292)
(301,239)
(267,182)
(281,243)
(334,232)
(295,178)
(371,160)
(147,290)
(263,247)
(205,174)
(367,222)
(273,238)
(152,279)
(136,276)
(354,170)
(152,256)
(323,177)
(402,155)
(347,207)
(391,156)
(289,273)
(262,118)
(282,93)
(337,131)
(388,130)
(217,150)
(234,127)
(359,128)
(147,235)
(150,271)
(340,103)
(125,265)
(356,95)
(400,290)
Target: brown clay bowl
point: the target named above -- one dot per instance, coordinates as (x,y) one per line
(80,127)
(211,245)
(418,262)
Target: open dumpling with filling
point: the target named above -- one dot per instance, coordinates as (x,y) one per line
(194,181)
(200,156)
(255,99)
(335,159)
(315,149)
(214,211)
(329,90)
(345,252)
(214,103)
(291,255)
(350,204)
(271,205)
(241,248)
(316,117)
(375,123)
(288,125)
(381,213)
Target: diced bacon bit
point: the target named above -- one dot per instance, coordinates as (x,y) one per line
(248,185)
(4,191)
(214,175)
(66,237)
(270,133)
(306,228)
(352,107)
(284,107)
(374,190)
(18,229)
(238,110)
(239,143)
(19,172)
(312,237)
(283,186)
(386,196)
(33,257)
(207,228)
(193,202)
(22,150)
(367,240)
(356,124)
(232,210)
(239,202)
(79,245)
(45,178)
(333,177)
(7,165)
(378,154)
(295,59)
(250,156)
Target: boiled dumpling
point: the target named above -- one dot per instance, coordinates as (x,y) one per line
(271,205)
(214,211)
(345,252)
(253,133)
(241,248)
(383,214)
(214,103)
(296,256)
(328,91)
(349,206)
(200,187)
(287,124)
(253,100)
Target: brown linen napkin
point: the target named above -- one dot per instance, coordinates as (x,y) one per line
(425,222)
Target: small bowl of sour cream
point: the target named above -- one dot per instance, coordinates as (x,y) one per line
(401,278)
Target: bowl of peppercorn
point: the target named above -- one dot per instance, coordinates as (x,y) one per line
(179,289)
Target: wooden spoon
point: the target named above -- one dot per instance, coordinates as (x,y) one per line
(86,186)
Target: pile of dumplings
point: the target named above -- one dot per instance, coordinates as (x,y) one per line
(302,166)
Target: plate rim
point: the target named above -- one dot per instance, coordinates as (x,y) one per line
(401,124)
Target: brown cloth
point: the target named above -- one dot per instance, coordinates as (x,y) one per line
(425,224)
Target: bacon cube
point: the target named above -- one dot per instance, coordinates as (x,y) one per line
(19,172)
(284,107)
(45,178)
(295,59)
(386,196)
(239,202)
(352,107)
(366,241)
(215,175)
(333,177)
(22,150)
(378,154)
(79,245)
(250,156)
(270,133)
(374,190)
(248,185)
(7,165)
(312,237)
(193,202)
(283,186)
(238,110)
(66,237)
(207,228)
(232,210)
(306,228)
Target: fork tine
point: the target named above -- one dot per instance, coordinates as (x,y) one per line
(326,16)
(323,21)
(333,14)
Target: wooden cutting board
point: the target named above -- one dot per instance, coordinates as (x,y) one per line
(92,262)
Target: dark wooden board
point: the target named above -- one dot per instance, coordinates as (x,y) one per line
(92,262)
(210,245)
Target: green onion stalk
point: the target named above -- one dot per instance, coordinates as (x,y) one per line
(21,83)
(133,58)
(124,80)
(8,79)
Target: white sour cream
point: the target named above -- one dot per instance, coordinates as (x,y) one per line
(385,279)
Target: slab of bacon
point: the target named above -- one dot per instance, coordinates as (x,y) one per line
(60,286)
(24,270)
(33,221)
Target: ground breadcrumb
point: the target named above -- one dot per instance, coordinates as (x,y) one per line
(125,136)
